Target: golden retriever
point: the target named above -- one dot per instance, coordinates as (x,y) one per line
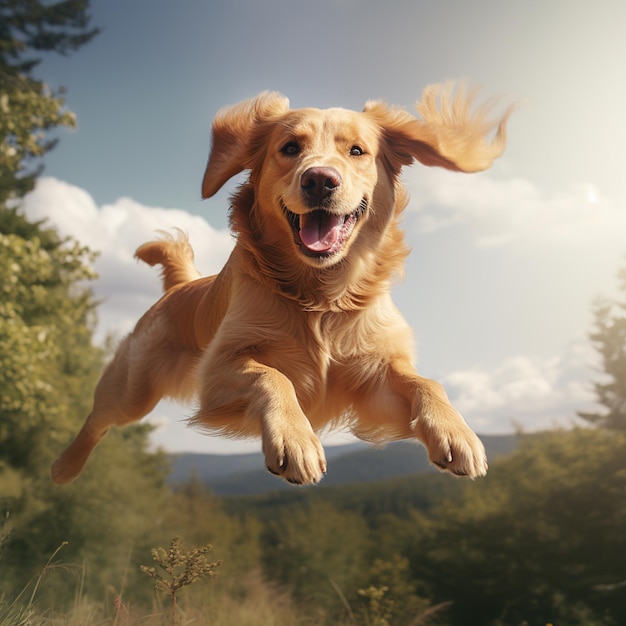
(298,331)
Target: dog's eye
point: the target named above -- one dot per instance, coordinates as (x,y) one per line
(356,151)
(291,148)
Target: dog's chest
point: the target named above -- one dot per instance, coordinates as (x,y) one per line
(335,349)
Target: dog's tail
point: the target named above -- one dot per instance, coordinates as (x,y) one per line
(174,254)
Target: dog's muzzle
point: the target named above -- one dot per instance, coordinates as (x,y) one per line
(321,233)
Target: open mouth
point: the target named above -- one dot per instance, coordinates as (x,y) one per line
(320,233)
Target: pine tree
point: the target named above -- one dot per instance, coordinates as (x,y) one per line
(29,109)
(609,339)
(46,311)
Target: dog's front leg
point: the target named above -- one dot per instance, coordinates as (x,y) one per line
(452,445)
(401,405)
(244,397)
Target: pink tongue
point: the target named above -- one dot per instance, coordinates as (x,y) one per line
(319,230)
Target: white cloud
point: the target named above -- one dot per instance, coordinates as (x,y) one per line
(532,393)
(125,286)
(503,211)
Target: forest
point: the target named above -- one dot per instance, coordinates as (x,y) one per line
(539,541)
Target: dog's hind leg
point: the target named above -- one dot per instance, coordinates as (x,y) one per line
(126,392)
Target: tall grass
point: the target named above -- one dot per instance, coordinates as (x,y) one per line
(260,604)
(22,609)
(244,600)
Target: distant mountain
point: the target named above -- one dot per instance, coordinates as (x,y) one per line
(211,467)
(245,474)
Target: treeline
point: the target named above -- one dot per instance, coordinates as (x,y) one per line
(540,541)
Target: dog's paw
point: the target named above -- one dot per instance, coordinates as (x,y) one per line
(454,447)
(295,455)
(62,472)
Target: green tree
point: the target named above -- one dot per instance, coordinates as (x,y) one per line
(46,354)
(539,541)
(391,596)
(48,368)
(48,363)
(199,516)
(609,339)
(29,109)
(319,553)
(45,313)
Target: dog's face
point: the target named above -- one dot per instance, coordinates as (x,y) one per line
(318,176)
(323,180)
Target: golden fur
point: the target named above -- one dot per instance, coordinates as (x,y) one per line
(298,331)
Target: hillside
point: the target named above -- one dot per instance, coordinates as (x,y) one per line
(245,474)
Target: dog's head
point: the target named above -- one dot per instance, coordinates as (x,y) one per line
(319,177)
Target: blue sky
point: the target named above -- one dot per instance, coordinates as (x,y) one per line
(505,264)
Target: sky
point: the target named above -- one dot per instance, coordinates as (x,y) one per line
(505,264)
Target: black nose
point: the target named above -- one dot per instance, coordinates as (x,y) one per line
(318,183)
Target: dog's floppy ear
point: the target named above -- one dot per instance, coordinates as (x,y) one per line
(232,128)
(449,134)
